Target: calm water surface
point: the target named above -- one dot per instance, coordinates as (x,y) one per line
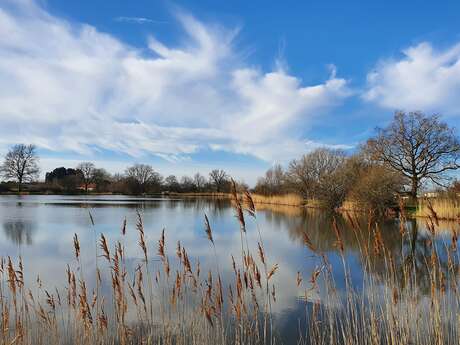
(41,228)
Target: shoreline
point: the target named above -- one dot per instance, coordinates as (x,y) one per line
(445,209)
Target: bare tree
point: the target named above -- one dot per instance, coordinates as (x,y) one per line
(21,164)
(88,170)
(187,184)
(316,175)
(172,184)
(199,181)
(375,187)
(219,178)
(143,176)
(273,182)
(420,147)
(102,179)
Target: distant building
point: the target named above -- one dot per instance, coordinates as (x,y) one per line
(430,194)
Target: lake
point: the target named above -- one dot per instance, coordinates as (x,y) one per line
(41,230)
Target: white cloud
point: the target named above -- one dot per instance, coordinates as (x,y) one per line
(423,79)
(70,87)
(138,20)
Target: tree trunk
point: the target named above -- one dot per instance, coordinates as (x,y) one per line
(414,189)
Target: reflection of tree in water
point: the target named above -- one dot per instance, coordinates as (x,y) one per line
(410,252)
(216,207)
(19,231)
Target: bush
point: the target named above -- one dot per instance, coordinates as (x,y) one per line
(376,188)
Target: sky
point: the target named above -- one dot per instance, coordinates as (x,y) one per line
(190,86)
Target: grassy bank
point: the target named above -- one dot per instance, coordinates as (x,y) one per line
(284,199)
(445,208)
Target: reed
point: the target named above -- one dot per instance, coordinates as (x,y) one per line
(352,206)
(175,303)
(283,199)
(446,208)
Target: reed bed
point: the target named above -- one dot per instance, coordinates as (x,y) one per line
(445,208)
(290,199)
(167,298)
(413,299)
(286,210)
(351,206)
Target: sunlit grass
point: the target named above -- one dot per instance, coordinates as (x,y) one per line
(445,208)
(290,199)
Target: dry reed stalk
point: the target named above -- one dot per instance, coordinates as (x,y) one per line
(104,247)
(298,278)
(140,229)
(339,242)
(208,229)
(76,245)
(308,242)
(250,206)
(123,227)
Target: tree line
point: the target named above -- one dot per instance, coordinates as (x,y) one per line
(413,151)
(21,166)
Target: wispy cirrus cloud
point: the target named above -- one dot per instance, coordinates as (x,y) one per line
(81,90)
(138,20)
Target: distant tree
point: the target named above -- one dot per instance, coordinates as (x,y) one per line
(373,186)
(320,175)
(171,184)
(56,174)
(199,181)
(118,184)
(219,179)
(420,147)
(21,164)
(102,179)
(70,183)
(454,187)
(67,179)
(61,176)
(87,173)
(241,186)
(273,182)
(187,184)
(142,178)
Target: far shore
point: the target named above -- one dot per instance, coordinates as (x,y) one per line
(445,209)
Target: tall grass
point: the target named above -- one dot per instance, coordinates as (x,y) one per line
(176,303)
(290,199)
(390,307)
(445,208)
(167,299)
(286,210)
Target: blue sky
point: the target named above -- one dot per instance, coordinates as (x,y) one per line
(193,85)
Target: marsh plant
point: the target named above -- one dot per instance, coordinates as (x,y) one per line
(166,297)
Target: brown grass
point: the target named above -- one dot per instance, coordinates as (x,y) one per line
(352,206)
(445,208)
(283,200)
